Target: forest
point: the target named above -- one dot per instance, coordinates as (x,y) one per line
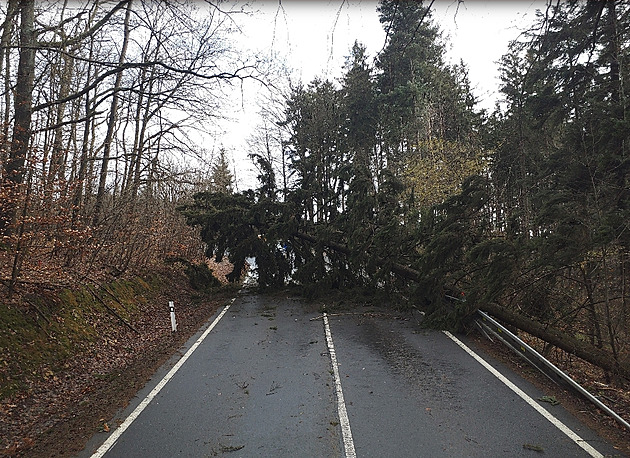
(388,181)
(391,180)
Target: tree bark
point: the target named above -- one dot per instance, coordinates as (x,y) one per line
(570,344)
(57,158)
(14,166)
(82,174)
(7,28)
(111,123)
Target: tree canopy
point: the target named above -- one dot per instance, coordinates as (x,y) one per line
(387,179)
(400,184)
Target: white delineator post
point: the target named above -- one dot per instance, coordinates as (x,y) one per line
(171,306)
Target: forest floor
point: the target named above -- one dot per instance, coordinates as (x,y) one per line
(60,406)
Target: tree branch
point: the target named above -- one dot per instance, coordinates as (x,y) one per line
(129,65)
(87,33)
(566,342)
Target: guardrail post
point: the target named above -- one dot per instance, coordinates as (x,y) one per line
(487,323)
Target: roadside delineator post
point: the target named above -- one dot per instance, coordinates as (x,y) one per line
(171,306)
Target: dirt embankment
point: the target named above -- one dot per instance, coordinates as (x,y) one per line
(54,399)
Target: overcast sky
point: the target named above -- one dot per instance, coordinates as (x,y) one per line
(314,37)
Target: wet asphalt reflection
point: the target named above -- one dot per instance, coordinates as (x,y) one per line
(261,384)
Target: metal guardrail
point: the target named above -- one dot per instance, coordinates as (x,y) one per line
(489,325)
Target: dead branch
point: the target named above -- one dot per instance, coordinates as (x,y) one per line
(111,310)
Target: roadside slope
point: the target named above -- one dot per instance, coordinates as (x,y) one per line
(58,403)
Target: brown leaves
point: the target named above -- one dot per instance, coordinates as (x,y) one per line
(104,426)
(79,395)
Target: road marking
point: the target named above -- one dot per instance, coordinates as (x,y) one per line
(344,421)
(557,423)
(111,440)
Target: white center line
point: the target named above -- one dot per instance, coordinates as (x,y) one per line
(111,440)
(557,423)
(344,421)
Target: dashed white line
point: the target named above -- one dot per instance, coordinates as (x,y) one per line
(111,440)
(344,421)
(557,423)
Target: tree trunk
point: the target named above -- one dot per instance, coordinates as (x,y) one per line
(58,152)
(570,344)
(111,124)
(77,201)
(596,333)
(581,349)
(7,27)
(14,166)
(142,120)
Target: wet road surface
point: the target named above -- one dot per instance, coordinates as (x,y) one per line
(261,384)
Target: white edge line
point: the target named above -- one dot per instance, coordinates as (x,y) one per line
(557,423)
(111,440)
(344,421)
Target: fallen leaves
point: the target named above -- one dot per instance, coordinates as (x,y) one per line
(61,407)
(104,426)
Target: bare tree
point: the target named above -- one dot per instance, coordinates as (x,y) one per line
(112,120)
(5,41)
(14,165)
(105,101)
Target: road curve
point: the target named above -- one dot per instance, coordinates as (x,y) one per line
(261,383)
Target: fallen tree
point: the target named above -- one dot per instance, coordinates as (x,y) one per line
(241,227)
(590,353)
(568,343)
(398,269)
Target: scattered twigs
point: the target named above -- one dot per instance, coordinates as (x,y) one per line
(37,309)
(25,281)
(319,317)
(111,310)
(112,295)
(369,314)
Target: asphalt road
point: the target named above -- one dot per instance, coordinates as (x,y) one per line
(262,384)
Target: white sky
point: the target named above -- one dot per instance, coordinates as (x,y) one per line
(314,37)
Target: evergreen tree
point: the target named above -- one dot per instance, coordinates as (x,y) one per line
(361,112)
(221,177)
(239,226)
(560,171)
(360,127)
(395,172)
(316,149)
(407,68)
(427,122)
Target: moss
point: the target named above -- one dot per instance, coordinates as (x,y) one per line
(40,334)
(15,331)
